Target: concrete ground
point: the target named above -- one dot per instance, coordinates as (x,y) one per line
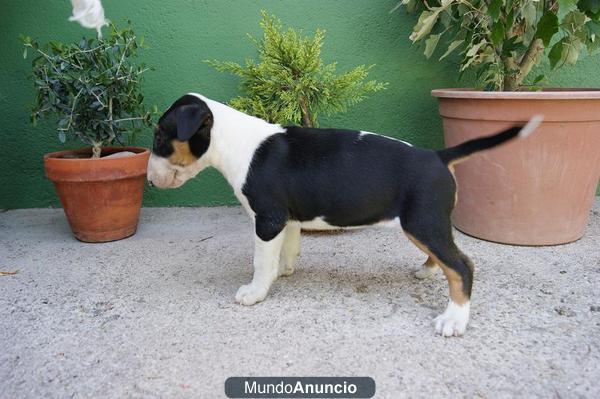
(154,315)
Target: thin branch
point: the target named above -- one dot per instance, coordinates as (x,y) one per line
(125,119)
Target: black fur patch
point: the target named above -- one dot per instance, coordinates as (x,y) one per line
(166,129)
(347,178)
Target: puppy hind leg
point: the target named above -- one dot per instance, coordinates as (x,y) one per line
(458,270)
(459,273)
(290,249)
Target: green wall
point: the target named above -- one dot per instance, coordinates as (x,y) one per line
(182,33)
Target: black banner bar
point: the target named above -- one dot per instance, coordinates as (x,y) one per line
(300,387)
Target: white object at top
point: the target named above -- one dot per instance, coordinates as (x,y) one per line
(89,14)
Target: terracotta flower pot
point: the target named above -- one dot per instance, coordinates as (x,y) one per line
(101,197)
(536,191)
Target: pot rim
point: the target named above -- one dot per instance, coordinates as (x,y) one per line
(58,155)
(549,93)
(60,169)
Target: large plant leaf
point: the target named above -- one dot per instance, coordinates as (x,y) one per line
(571,50)
(591,8)
(566,51)
(497,35)
(573,22)
(555,54)
(593,41)
(565,6)
(547,27)
(589,5)
(494,9)
(453,46)
(430,44)
(424,25)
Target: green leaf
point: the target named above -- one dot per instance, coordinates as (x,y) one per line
(571,50)
(566,51)
(510,20)
(72,84)
(25,53)
(451,48)
(574,21)
(539,78)
(431,44)
(555,54)
(547,27)
(565,6)
(593,6)
(474,49)
(497,35)
(425,24)
(593,28)
(593,40)
(494,9)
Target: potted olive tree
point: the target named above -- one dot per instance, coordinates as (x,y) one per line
(92,88)
(537,191)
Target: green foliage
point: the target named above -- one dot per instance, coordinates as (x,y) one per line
(504,39)
(93,87)
(290,83)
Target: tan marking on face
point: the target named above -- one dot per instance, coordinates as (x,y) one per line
(182,155)
(455,282)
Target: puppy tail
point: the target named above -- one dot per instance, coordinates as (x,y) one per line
(462,151)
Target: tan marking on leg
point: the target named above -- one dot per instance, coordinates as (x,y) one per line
(455,283)
(182,155)
(429,262)
(451,168)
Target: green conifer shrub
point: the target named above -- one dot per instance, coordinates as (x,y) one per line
(290,83)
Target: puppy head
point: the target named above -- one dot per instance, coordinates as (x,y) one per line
(181,140)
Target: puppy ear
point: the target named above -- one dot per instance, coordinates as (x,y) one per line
(189,119)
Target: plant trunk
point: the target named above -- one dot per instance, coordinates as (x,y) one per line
(307,120)
(511,74)
(96,150)
(511,83)
(516,72)
(531,57)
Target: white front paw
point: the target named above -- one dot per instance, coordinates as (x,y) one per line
(453,322)
(252,293)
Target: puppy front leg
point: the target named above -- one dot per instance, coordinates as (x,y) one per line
(290,249)
(266,263)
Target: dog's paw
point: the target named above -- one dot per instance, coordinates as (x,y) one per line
(286,270)
(425,272)
(453,322)
(250,294)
